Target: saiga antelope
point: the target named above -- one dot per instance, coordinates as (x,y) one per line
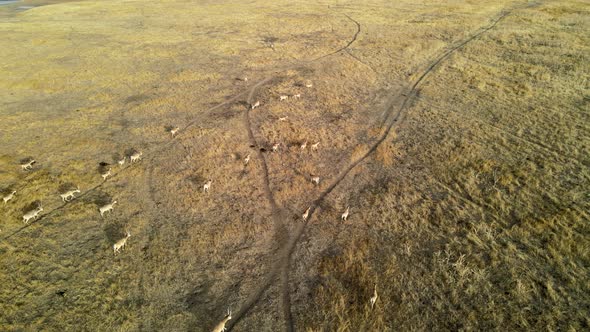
(345,214)
(121,243)
(221,326)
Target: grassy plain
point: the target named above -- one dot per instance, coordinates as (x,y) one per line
(458,132)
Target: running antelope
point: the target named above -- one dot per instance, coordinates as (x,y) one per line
(221,326)
(283,118)
(28,165)
(306,214)
(256,104)
(281,98)
(345,214)
(374,297)
(106,208)
(207,186)
(304,145)
(69,195)
(247,159)
(8,197)
(315,180)
(32,215)
(106,174)
(275,147)
(174,130)
(135,157)
(121,243)
(314,147)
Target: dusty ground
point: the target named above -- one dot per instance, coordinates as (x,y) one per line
(458,132)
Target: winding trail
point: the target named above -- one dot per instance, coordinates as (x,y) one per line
(253,143)
(356,34)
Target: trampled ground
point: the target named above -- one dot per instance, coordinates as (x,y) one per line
(457,132)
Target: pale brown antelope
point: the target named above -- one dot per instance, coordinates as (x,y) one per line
(33,214)
(220,327)
(174,130)
(9,196)
(69,195)
(314,147)
(135,157)
(121,162)
(106,174)
(283,118)
(207,186)
(281,98)
(119,245)
(28,165)
(275,147)
(308,85)
(256,104)
(106,208)
(303,145)
(374,297)
(297,96)
(315,180)
(306,214)
(247,159)
(345,214)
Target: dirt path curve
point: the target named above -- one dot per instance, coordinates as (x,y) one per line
(280,229)
(254,144)
(345,47)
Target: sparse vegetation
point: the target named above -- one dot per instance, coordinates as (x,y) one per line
(470,214)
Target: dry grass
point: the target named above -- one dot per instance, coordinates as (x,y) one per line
(484,223)
(471,215)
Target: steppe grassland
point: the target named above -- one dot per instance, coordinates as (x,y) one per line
(447,184)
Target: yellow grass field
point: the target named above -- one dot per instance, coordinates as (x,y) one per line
(458,133)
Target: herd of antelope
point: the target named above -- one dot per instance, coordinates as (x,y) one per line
(69,195)
(275,148)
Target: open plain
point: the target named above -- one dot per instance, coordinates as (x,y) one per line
(458,133)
